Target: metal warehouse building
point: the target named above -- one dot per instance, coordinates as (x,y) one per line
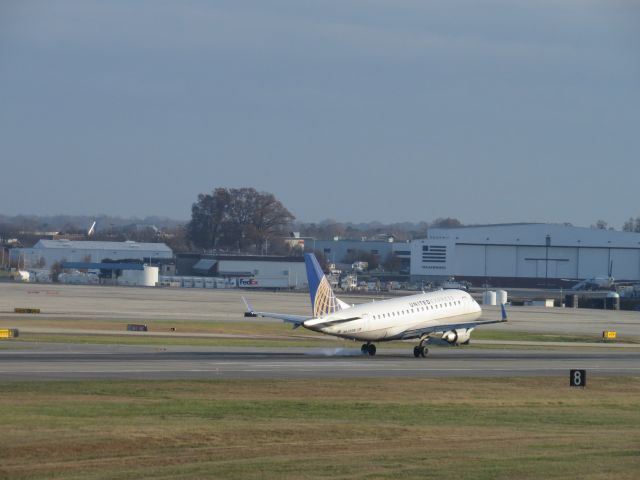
(46,252)
(248,270)
(526,254)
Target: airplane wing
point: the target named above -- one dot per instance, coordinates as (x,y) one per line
(322,322)
(445,327)
(409,334)
(297,320)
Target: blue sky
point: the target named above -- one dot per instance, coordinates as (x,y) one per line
(388,110)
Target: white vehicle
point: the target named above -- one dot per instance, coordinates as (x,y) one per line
(359,266)
(444,315)
(349,283)
(453,283)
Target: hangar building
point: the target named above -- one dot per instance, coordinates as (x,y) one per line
(46,252)
(336,251)
(525,254)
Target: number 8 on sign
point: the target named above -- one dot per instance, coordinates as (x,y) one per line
(577,378)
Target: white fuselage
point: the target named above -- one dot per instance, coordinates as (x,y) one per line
(399,318)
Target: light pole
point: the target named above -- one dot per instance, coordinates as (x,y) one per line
(547,242)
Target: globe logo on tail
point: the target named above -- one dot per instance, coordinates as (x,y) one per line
(325,301)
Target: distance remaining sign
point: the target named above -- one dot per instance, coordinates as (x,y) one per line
(577,378)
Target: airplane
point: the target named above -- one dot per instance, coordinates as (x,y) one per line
(443,316)
(599,282)
(92,229)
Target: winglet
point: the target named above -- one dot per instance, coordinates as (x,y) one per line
(247,304)
(249,312)
(504,312)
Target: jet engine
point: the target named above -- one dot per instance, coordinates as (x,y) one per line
(459,336)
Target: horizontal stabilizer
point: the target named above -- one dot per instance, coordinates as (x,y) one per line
(297,320)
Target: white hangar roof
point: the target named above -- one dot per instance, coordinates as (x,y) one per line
(535,234)
(91,245)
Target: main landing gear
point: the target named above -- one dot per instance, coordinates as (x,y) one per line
(368,348)
(421,350)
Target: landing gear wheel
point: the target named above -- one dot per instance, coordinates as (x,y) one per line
(364,348)
(371,349)
(420,351)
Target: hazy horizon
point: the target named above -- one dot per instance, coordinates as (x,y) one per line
(489,112)
(324,221)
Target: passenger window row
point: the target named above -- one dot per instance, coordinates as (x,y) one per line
(419,309)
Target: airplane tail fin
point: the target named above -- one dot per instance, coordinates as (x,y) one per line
(504,312)
(323,300)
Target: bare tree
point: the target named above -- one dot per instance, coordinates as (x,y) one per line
(632,225)
(237,218)
(600,225)
(208,217)
(176,238)
(56,270)
(392,263)
(446,223)
(269,218)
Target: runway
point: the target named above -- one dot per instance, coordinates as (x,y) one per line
(54,361)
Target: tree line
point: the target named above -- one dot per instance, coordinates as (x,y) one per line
(227,219)
(630,225)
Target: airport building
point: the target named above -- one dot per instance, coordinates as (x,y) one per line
(249,271)
(47,252)
(338,250)
(525,254)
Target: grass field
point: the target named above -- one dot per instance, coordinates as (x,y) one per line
(249,333)
(255,327)
(427,428)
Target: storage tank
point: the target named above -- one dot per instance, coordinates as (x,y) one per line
(571,301)
(489,297)
(150,276)
(501,297)
(612,302)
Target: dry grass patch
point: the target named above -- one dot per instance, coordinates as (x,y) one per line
(387,428)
